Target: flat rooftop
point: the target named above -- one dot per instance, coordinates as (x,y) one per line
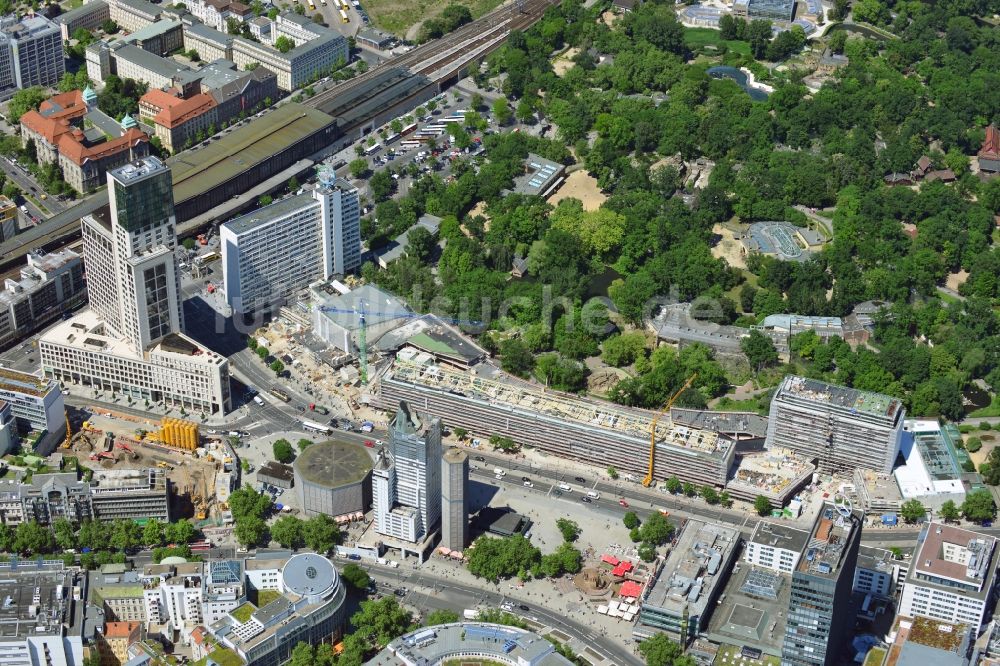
(952,553)
(592,413)
(379,306)
(22,382)
(333,464)
(754,611)
(539,177)
(773,470)
(821,393)
(778,535)
(829,540)
(382,91)
(266,215)
(748,423)
(85,330)
(693,568)
(204,168)
(37,600)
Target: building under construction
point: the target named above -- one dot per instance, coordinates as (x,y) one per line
(841,428)
(590,431)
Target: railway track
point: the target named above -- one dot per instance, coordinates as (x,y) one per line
(507,17)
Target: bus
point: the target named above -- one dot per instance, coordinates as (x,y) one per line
(200,545)
(392,137)
(312,5)
(280,395)
(409,129)
(343,17)
(208,258)
(410,144)
(374,148)
(343,3)
(312,426)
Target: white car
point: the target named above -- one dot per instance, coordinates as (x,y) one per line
(378,442)
(529,484)
(565,487)
(498,477)
(507,606)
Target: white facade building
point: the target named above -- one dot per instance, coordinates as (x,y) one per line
(274,251)
(36,404)
(406,481)
(776,547)
(129,342)
(951,575)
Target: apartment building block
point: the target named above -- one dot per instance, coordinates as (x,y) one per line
(49,286)
(952,576)
(31,53)
(276,250)
(840,428)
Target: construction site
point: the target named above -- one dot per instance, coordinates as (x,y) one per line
(200,470)
(561,424)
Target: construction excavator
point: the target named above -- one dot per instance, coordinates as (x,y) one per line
(652,427)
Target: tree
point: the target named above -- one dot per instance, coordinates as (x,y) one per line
(193,55)
(762,505)
(978,506)
(288,531)
(494,559)
(566,559)
(973,444)
(504,443)
(661,651)
(622,350)
(673,485)
(612,472)
(379,622)
(657,530)
(246,501)
(125,534)
(251,531)
(264,200)
(358,168)
(64,534)
(568,528)
(912,511)
(355,576)
(689,489)
(30,538)
(949,512)
(284,44)
(303,654)
(321,533)
(92,534)
(293,182)
(283,451)
(709,494)
(441,616)
(515,357)
(759,350)
(631,520)
(152,533)
(383,185)
(304,444)
(110,27)
(277,366)
(23,101)
(420,243)
(759,36)
(501,111)
(647,552)
(263,352)
(460,433)
(180,531)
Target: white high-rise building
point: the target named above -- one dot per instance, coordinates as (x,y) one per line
(31,53)
(406,480)
(130,341)
(272,252)
(952,576)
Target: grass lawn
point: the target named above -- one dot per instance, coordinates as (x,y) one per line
(875,657)
(699,37)
(397,16)
(992,409)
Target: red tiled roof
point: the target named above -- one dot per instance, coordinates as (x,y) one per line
(120,629)
(78,153)
(55,115)
(160,99)
(610,559)
(199,634)
(192,107)
(991,144)
(630,588)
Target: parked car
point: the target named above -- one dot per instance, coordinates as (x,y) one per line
(580,479)
(369,443)
(623,503)
(586,500)
(529,484)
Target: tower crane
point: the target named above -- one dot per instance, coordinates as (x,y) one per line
(656,419)
(362,312)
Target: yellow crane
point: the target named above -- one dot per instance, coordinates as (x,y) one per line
(656,419)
